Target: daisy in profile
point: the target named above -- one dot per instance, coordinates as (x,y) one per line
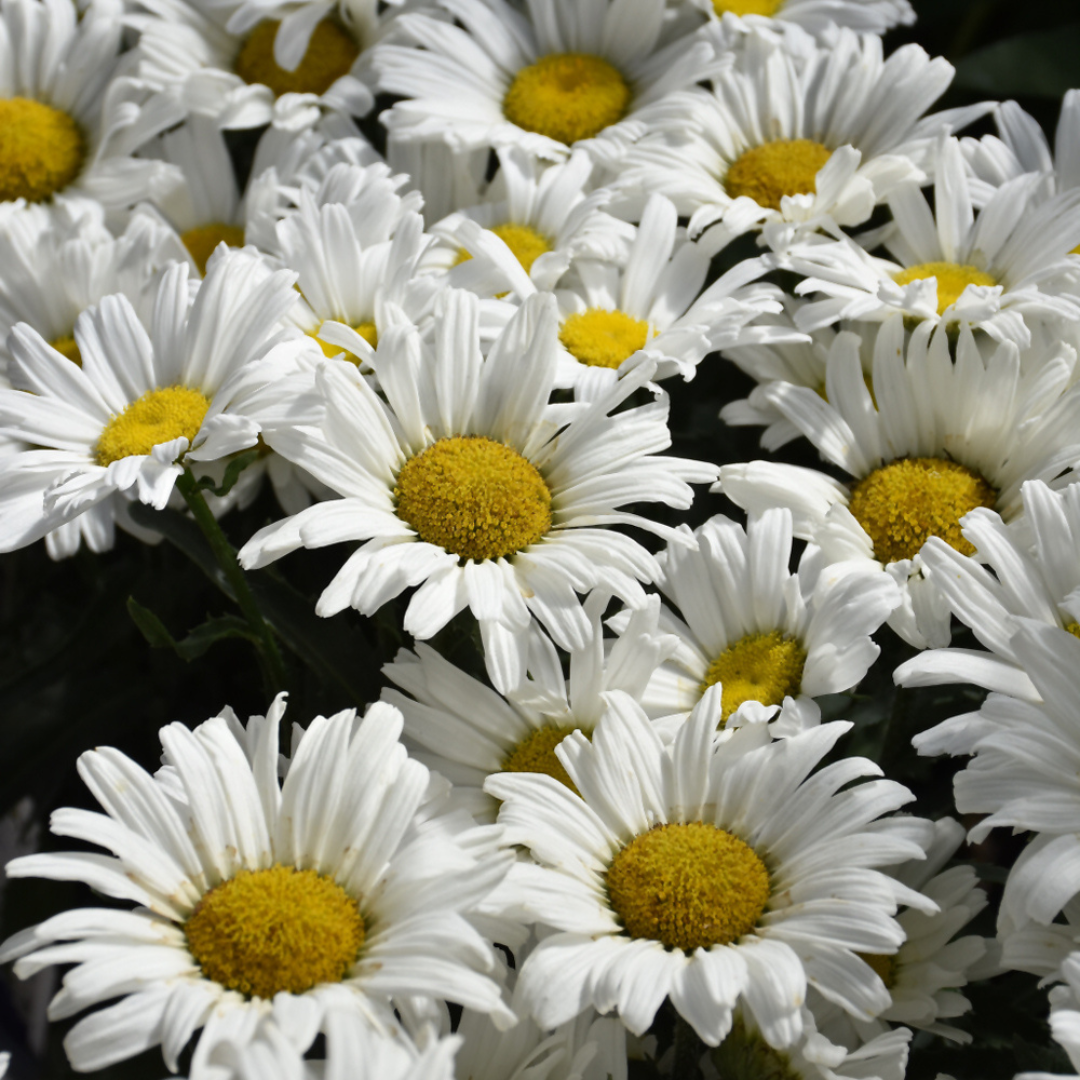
(546,77)
(937,438)
(1002,271)
(794,142)
(68,124)
(466,732)
(817,17)
(701,872)
(265,908)
(757,630)
(145,402)
(468,485)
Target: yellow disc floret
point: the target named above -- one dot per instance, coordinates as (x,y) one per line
(748,7)
(159,416)
(952,280)
(41,150)
(280,929)
(759,667)
(884,967)
(366,330)
(536,753)
(475,497)
(202,241)
(69,347)
(330,54)
(904,503)
(690,886)
(567,96)
(603,338)
(1073,628)
(767,173)
(526,243)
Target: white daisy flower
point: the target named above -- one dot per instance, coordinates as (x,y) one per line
(935,439)
(222,59)
(144,401)
(467,732)
(68,124)
(817,17)
(794,142)
(1001,272)
(1028,569)
(468,484)
(557,73)
(266,908)
(712,874)
(751,626)
(544,214)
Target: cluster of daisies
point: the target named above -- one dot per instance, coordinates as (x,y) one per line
(446,357)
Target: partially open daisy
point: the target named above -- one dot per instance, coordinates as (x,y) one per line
(144,401)
(467,732)
(701,872)
(1004,271)
(758,631)
(936,439)
(467,483)
(794,141)
(68,125)
(342,888)
(818,17)
(557,73)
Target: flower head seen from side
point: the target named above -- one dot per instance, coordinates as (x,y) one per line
(1002,271)
(755,629)
(703,872)
(937,438)
(547,77)
(144,401)
(262,902)
(817,17)
(466,483)
(466,732)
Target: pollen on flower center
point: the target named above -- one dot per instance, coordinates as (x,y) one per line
(952,280)
(769,172)
(690,886)
(759,667)
(1073,628)
(536,754)
(159,416)
(41,149)
(69,347)
(330,55)
(904,503)
(202,241)
(366,330)
(475,497)
(567,96)
(603,338)
(280,929)
(883,966)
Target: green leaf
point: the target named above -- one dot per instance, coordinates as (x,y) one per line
(232,473)
(186,536)
(1043,63)
(151,627)
(213,630)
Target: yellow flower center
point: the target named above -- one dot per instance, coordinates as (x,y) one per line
(41,149)
(883,966)
(366,330)
(603,338)
(1073,628)
(474,497)
(265,931)
(690,886)
(952,280)
(68,347)
(745,1055)
(767,173)
(759,667)
(526,244)
(159,416)
(330,54)
(748,7)
(536,753)
(902,504)
(202,241)
(567,96)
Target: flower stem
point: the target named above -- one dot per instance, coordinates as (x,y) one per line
(267,648)
(688,1051)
